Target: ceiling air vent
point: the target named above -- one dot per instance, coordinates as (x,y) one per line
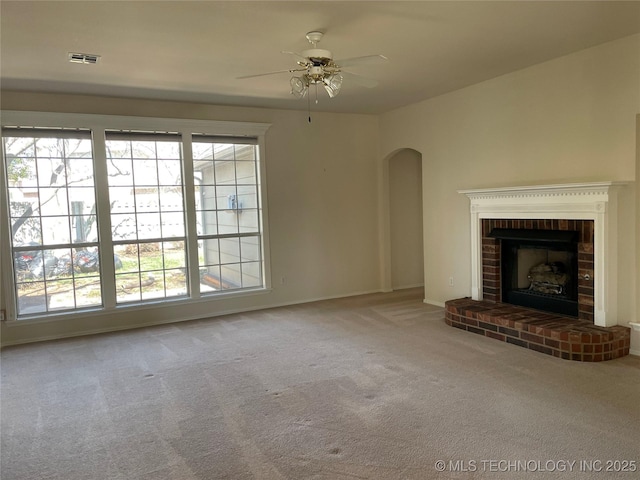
(83,58)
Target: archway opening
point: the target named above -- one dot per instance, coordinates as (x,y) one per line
(405,219)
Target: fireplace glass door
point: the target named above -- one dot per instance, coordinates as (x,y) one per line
(539,270)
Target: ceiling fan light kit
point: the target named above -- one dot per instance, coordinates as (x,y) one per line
(332,84)
(298,87)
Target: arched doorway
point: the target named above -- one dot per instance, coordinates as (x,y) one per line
(406,250)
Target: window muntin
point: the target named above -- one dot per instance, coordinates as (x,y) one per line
(147,215)
(52,212)
(227,212)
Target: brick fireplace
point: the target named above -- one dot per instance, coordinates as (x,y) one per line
(590,211)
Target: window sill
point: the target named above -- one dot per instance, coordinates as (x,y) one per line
(151,304)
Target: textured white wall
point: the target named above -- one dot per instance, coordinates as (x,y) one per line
(322,182)
(568,120)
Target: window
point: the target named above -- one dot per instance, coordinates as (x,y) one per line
(104,215)
(225,178)
(53,220)
(147,215)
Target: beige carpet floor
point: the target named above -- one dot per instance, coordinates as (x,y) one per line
(368,387)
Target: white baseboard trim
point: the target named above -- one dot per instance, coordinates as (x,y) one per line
(634,352)
(405,287)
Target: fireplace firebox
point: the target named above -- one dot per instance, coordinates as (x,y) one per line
(539,269)
(537,263)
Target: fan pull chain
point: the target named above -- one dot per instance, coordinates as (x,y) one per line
(309,105)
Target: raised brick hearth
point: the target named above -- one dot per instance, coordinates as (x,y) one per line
(560,336)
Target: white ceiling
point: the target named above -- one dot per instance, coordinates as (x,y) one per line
(193,51)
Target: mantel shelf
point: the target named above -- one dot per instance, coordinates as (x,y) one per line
(590,188)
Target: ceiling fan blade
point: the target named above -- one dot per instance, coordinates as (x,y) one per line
(348,62)
(292,70)
(359,79)
(299,58)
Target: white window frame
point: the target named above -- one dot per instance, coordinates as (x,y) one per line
(98,125)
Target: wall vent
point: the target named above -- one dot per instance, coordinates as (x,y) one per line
(83,58)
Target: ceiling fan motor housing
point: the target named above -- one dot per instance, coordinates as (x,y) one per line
(318,56)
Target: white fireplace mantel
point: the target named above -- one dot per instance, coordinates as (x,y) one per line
(595,201)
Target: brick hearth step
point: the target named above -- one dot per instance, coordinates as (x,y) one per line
(564,337)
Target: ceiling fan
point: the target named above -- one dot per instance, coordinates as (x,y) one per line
(316,66)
